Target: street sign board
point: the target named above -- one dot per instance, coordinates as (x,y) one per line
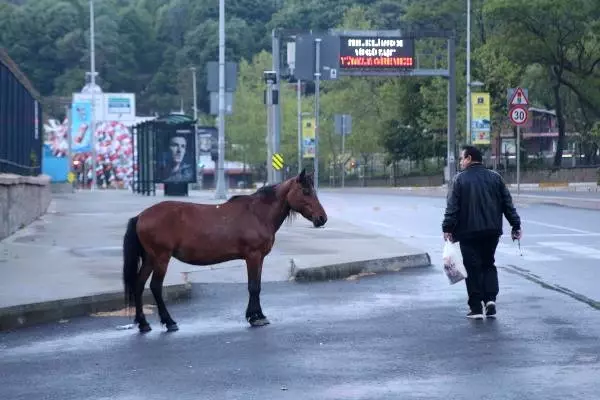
(305,57)
(517,96)
(214,103)
(343,124)
(518,115)
(212,76)
(277,161)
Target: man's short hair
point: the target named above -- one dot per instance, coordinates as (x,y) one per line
(473,152)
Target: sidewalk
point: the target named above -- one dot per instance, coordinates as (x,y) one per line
(69,263)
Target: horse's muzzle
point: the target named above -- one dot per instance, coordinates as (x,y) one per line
(319,221)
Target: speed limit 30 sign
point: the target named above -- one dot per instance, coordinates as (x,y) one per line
(518,115)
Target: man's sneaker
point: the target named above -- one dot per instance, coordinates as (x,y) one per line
(490,309)
(475,315)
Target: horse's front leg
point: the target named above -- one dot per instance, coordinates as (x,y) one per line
(254,314)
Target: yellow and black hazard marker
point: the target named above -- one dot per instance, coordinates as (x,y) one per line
(277,161)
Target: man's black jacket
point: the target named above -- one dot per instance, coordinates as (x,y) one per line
(478,200)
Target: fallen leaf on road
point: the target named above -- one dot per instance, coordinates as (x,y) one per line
(355,277)
(125,312)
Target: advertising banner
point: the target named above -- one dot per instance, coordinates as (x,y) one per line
(81,134)
(176,156)
(308,137)
(480,118)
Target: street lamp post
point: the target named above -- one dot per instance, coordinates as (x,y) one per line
(468,138)
(221,192)
(196,160)
(93,88)
(194,92)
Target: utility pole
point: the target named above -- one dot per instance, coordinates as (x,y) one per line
(195,102)
(451,162)
(317,110)
(195,93)
(93,86)
(468,138)
(269,80)
(343,151)
(299,94)
(276,108)
(221,187)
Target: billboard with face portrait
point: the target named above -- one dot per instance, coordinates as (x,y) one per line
(175,156)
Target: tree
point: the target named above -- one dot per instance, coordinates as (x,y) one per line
(547,33)
(402,142)
(246,127)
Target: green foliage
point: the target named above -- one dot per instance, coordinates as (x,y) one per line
(552,39)
(148,46)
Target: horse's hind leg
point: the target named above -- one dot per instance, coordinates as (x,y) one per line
(156,284)
(254,314)
(143,276)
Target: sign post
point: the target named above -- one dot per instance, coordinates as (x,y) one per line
(270,80)
(518,114)
(317,110)
(343,126)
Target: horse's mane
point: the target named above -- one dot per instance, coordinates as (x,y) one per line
(268,192)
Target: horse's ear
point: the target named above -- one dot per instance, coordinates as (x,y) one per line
(302,176)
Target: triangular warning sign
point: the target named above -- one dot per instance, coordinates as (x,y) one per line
(519,98)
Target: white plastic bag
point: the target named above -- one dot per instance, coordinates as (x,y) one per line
(453,263)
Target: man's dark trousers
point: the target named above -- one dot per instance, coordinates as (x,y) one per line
(478,257)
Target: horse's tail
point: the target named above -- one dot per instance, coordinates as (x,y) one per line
(132,253)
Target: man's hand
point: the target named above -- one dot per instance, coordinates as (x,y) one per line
(516,234)
(448,236)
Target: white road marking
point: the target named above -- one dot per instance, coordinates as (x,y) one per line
(573,248)
(559,227)
(541,235)
(388,226)
(528,255)
(393,228)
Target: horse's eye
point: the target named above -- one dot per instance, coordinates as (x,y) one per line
(306,192)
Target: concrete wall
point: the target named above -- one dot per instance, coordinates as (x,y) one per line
(22,200)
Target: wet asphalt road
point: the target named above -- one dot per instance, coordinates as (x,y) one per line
(560,245)
(395,336)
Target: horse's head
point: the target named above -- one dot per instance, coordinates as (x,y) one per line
(302,198)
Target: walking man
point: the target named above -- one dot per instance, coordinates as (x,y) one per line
(478,200)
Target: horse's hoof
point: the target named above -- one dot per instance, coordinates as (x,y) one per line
(259,322)
(172,328)
(145,328)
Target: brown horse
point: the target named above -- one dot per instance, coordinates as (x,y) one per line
(244,227)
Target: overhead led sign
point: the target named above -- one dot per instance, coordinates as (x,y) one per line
(362,52)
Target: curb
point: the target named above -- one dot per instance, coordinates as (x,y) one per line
(583,203)
(344,270)
(528,198)
(26,315)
